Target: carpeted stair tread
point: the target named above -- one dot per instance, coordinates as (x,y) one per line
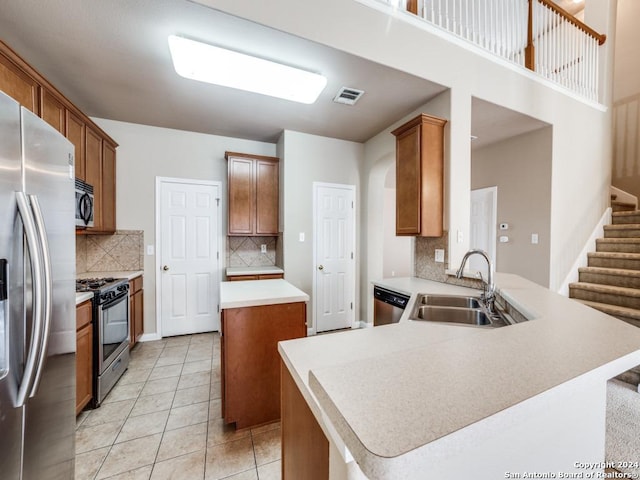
(610,271)
(630,213)
(625,218)
(623,226)
(617,255)
(618,240)
(614,310)
(606,289)
(623,204)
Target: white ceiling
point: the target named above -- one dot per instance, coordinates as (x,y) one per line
(111,59)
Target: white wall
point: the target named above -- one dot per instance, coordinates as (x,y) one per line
(146,152)
(521,169)
(581,169)
(397,256)
(306,159)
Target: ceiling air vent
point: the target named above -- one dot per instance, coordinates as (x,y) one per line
(348,96)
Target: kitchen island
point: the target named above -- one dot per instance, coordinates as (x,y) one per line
(425,400)
(256,315)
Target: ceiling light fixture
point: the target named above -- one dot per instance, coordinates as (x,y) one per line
(206,63)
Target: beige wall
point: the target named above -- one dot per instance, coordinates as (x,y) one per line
(581,131)
(306,159)
(147,152)
(521,169)
(626,96)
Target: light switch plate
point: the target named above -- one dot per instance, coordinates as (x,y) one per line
(504,226)
(149,249)
(534,238)
(301,236)
(439,255)
(460,236)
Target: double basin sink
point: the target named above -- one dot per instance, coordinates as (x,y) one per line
(463,310)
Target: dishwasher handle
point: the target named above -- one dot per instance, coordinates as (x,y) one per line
(396,299)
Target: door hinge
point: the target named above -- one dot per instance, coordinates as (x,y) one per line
(351,204)
(217,202)
(217,255)
(351,305)
(218,308)
(351,255)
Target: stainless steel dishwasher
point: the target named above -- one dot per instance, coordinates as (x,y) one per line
(388,306)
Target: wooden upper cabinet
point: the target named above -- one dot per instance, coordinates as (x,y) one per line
(253,194)
(76,134)
(16,83)
(93,173)
(419,176)
(267,196)
(52,111)
(108,187)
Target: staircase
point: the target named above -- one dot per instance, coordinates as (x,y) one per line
(611,281)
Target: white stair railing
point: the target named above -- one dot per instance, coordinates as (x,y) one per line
(535,34)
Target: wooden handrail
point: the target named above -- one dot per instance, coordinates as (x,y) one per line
(571,19)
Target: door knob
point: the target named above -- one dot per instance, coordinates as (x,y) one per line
(165,268)
(321,267)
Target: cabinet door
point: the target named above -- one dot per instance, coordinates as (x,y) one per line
(266,197)
(108,187)
(408,182)
(305,449)
(241,196)
(52,111)
(18,85)
(93,173)
(84,364)
(75,133)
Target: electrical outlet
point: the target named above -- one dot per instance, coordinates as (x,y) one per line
(263,248)
(504,239)
(439,255)
(460,236)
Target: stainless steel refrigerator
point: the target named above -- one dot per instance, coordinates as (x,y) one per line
(37,298)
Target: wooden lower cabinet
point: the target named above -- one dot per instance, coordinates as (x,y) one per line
(84,355)
(305,449)
(264,276)
(136,311)
(250,361)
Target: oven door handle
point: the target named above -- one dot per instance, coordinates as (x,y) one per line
(114,301)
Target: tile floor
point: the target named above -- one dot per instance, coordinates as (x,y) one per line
(163,421)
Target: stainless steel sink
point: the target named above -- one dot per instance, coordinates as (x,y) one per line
(465,316)
(450,301)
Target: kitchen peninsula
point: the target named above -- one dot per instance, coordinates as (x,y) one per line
(256,315)
(421,400)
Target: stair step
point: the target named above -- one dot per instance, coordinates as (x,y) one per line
(621,245)
(622,231)
(629,315)
(611,295)
(624,218)
(622,206)
(625,261)
(610,276)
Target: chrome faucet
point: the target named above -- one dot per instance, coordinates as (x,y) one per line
(490,290)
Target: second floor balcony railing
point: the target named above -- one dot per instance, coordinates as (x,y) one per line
(536,34)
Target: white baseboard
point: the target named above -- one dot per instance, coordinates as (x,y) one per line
(589,246)
(149,337)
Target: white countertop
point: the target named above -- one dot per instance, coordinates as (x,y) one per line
(128,274)
(391,391)
(251,293)
(234,271)
(83,297)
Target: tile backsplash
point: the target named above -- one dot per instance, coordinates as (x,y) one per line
(122,251)
(426,266)
(245,251)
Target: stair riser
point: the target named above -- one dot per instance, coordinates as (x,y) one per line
(615,280)
(620,233)
(621,208)
(622,301)
(626,219)
(618,247)
(614,263)
(629,377)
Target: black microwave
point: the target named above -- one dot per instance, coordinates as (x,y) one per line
(84,204)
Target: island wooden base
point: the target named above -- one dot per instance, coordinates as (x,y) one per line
(250,361)
(305,449)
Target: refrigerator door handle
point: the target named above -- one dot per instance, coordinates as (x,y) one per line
(37,285)
(47,290)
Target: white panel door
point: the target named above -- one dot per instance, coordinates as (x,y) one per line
(189,261)
(483,227)
(334,256)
